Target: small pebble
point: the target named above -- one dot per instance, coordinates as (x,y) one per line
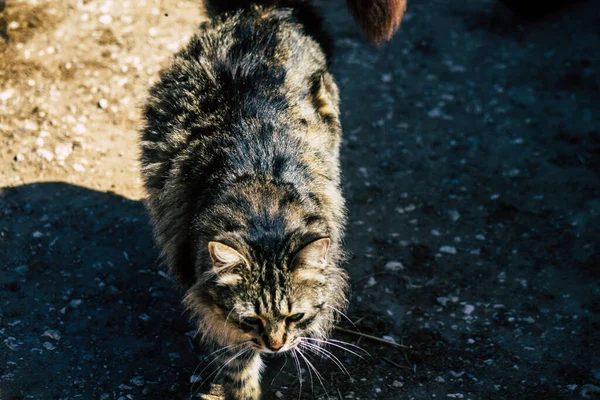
(389,338)
(137,381)
(163,273)
(7,94)
(52,334)
(144,317)
(49,346)
(454,215)
(394,266)
(397,384)
(22,269)
(435,113)
(79,129)
(105,19)
(63,150)
(45,154)
(468,309)
(11,343)
(448,249)
(30,125)
(75,303)
(103,104)
(443,300)
(513,172)
(501,277)
(78,167)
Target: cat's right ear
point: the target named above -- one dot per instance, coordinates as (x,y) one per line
(224,257)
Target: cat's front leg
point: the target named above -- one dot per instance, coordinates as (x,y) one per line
(242,376)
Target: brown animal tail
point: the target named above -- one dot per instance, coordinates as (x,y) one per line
(379,19)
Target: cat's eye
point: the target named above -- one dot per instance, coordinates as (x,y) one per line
(253,321)
(295,317)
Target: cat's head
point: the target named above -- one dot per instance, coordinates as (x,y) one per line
(269,303)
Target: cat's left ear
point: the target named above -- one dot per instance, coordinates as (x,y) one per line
(326,98)
(224,257)
(313,255)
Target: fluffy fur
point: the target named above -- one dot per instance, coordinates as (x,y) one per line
(240,158)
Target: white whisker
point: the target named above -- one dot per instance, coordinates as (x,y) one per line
(311,366)
(299,371)
(227,318)
(214,353)
(217,357)
(338,346)
(312,389)
(281,369)
(240,353)
(325,353)
(349,344)
(342,314)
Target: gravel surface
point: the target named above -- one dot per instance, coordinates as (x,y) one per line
(471,165)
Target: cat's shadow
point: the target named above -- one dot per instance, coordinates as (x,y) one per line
(84,299)
(86,309)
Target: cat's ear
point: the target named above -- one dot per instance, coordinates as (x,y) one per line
(224,257)
(325,98)
(313,255)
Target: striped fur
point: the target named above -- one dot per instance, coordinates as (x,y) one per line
(240,158)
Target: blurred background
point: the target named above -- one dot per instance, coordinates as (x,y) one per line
(471,165)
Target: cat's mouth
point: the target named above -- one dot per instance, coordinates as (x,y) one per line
(262,348)
(266,350)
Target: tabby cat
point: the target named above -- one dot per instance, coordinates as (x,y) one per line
(240,160)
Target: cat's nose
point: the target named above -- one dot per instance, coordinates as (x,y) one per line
(274,344)
(275,347)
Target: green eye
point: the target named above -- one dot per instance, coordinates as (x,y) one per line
(295,317)
(252,321)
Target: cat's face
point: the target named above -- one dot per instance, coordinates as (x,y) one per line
(272,308)
(277,318)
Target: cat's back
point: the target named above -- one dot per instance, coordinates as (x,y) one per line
(244,80)
(245,120)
